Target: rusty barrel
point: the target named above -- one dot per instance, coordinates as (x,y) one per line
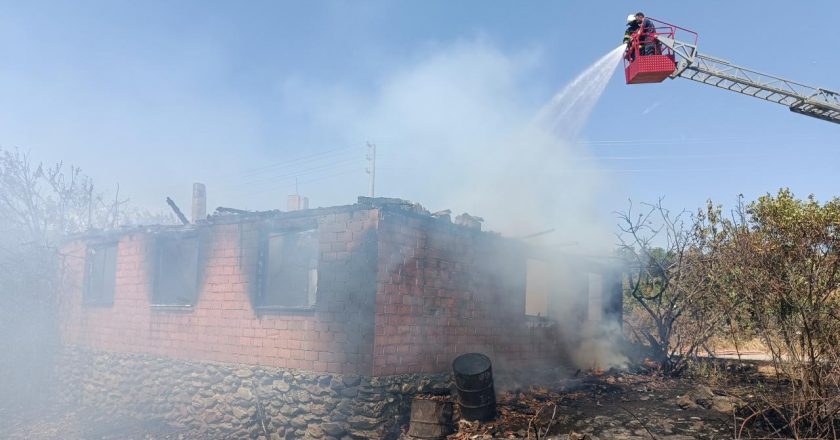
(430,418)
(474,381)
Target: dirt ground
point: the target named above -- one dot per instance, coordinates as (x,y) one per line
(610,406)
(607,405)
(67,423)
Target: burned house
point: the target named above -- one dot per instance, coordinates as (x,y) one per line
(310,323)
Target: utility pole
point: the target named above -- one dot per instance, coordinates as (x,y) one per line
(371,169)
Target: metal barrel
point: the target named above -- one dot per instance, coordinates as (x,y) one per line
(474,381)
(430,419)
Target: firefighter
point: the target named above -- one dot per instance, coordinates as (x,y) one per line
(632,27)
(647,29)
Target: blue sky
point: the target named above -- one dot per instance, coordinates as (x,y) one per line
(246,96)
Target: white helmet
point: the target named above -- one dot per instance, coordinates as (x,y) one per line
(631,18)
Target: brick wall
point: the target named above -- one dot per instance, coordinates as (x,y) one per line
(398,292)
(444,290)
(223,325)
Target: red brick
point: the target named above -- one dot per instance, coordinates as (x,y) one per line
(422,271)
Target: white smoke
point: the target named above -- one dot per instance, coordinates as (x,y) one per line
(455,129)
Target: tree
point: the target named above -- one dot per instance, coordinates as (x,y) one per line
(673,270)
(39,205)
(786,261)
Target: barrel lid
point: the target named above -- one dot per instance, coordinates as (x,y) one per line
(471,363)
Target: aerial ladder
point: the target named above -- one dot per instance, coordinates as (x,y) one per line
(671,52)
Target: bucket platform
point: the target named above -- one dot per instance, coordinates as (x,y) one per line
(649,69)
(647,59)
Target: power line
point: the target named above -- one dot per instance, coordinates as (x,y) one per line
(316,179)
(354,163)
(277,177)
(279,165)
(286,163)
(683,141)
(344,173)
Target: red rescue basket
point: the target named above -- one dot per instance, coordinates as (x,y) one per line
(646,59)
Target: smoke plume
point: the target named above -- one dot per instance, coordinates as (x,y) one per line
(457,129)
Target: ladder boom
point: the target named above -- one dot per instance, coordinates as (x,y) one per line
(800,98)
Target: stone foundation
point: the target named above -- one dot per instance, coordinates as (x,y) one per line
(215,400)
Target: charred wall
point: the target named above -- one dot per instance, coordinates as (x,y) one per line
(224,324)
(446,289)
